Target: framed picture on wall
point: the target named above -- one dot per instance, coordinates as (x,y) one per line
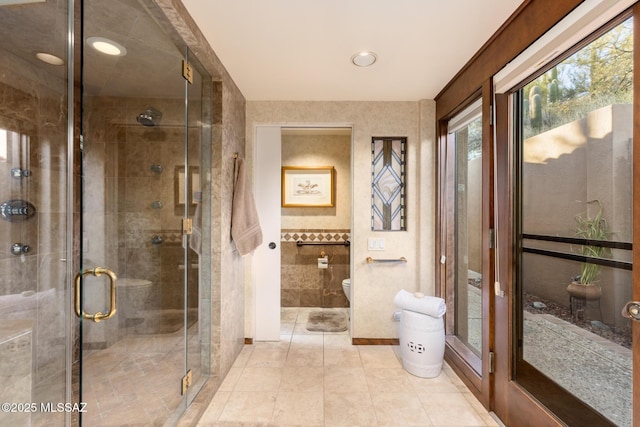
(304,186)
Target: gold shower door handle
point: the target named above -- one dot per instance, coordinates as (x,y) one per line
(98,271)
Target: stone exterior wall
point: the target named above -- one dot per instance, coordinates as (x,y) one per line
(588,159)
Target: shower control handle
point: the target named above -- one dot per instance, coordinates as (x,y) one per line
(19,249)
(272,245)
(16,210)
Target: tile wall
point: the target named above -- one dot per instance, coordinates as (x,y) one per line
(302,282)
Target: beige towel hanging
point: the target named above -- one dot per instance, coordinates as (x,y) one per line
(245,225)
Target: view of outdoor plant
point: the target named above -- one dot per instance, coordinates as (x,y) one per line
(598,75)
(592,228)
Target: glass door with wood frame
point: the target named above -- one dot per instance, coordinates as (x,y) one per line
(464,260)
(573,146)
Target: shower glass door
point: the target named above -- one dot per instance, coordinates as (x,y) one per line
(35,327)
(197,277)
(141,182)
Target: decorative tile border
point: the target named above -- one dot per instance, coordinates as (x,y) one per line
(169,237)
(315,235)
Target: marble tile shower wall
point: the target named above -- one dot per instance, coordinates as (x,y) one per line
(144,209)
(303,284)
(32,284)
(143,222)
(135,227)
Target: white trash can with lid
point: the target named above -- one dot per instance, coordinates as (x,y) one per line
(421,333)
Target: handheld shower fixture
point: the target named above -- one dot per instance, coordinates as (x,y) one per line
(149,117)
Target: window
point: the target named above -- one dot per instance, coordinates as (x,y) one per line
(465,182)
(3,145)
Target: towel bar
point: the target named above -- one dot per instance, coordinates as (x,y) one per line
(371,260)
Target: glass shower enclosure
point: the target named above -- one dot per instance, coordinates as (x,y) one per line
(103,215)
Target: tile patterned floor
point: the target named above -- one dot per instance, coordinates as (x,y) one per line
(320,379)
(135,382)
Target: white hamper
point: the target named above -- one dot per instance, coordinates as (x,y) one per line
(421,343)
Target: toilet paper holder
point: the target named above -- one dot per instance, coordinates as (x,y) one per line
(323,262)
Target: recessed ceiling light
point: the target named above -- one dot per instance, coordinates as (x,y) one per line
(49,59)
(106,46)
(364,59)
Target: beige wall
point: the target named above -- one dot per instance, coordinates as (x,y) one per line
(320,150)
(374,285)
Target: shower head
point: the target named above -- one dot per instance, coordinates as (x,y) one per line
(149,117)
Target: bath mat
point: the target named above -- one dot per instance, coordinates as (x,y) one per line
(327,321)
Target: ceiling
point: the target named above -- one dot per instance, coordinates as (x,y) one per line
(291,50)
(300,50)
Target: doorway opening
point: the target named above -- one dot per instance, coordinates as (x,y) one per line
(316,236)
(303,191)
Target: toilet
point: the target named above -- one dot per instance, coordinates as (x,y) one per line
(133,296)
(346,287)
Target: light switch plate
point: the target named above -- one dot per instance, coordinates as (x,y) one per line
(376,244)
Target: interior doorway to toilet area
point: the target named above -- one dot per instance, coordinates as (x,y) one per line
(303,190)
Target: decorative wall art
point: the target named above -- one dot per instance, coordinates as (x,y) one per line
(388,183)
(193,186)
(308,186)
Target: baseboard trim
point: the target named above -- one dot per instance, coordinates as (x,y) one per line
(375,341)
(356,341)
